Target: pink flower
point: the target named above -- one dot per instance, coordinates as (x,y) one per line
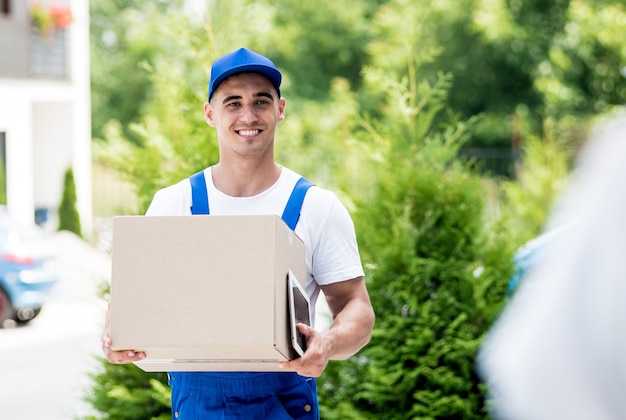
(53,17)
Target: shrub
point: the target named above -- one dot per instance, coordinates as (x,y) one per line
(68,214)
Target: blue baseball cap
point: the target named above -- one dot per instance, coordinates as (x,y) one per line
(239,61)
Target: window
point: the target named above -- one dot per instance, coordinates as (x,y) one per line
(5,7)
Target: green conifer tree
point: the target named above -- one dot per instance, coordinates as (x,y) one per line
(436,270)
(69,218)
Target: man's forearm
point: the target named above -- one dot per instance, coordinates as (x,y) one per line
(350,331)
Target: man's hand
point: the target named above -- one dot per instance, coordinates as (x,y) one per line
(353,320)
(315,358)
(117,357)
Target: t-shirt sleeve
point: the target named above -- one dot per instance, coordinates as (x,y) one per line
(335,255)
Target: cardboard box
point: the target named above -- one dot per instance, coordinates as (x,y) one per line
(203,293)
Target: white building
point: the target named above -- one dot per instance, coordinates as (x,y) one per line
(45,125)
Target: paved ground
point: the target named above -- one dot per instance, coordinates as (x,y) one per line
(44,365)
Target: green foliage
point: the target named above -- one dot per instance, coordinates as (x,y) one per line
(310,54)
(127,392)
(542,178)
(473,41)
(171,140)
(548,58)
(583,74)
(539,182)
(69,218)
(125,36)
(382,95)
(436,270)
(310,135)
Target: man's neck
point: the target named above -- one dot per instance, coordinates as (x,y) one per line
(244,180)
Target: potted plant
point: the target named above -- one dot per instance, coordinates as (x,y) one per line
(54,17)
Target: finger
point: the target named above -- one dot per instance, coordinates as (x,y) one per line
(304,329)
(125,356)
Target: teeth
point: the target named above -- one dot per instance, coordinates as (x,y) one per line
(248,132)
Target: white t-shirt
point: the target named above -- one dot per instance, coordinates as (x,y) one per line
(325,226)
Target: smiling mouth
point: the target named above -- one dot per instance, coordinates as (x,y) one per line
(248,133)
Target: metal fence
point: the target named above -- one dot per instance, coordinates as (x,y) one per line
(494,161)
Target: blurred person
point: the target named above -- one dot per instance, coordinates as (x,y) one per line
(558,350)
(245,106)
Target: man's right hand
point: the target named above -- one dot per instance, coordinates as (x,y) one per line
(121,356)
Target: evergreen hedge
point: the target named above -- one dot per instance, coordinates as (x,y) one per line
(436,272)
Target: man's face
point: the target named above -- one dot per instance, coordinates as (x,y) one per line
(245,110)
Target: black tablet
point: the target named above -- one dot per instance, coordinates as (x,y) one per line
(299,312)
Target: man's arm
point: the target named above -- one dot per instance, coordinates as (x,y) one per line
(351,330)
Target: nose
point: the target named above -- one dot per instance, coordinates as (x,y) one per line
(248,114)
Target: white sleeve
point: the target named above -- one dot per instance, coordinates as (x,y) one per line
(174,200)
(335,253)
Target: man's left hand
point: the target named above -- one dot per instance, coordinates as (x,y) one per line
(315,358)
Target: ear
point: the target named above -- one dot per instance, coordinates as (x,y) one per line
(208,114)
(281,109)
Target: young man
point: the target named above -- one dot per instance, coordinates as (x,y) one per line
(244,106)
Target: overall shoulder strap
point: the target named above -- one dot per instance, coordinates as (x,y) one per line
(199,197)
(291,214)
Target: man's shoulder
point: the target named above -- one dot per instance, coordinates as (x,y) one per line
(171,200)
(181,188)
(317,192)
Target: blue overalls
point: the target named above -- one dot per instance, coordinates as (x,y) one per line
(244,395)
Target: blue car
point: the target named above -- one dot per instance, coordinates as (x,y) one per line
(26,271)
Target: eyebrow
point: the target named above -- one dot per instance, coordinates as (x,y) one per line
(256,95)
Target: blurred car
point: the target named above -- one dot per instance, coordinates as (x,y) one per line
(27,272)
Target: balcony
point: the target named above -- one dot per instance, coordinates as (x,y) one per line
(48,55)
